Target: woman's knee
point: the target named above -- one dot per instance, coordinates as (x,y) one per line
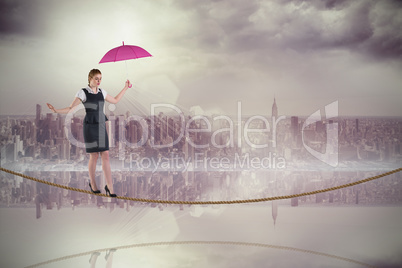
(105,156)
(93,156)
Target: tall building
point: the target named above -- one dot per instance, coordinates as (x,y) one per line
(164,126)
(19,144)
(274,109)
(64,150)
(294,126)
(118,129)
(9,153)
(111,130)
(319,127)
(132,132)
(170,127)
(38,113)
(60,126)
(357,125)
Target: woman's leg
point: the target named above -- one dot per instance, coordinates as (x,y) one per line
(93,158)
(109,258)
(93,259)
(106,170)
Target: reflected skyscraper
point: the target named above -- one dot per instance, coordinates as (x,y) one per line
(38,201)
(294,202)
(274,211)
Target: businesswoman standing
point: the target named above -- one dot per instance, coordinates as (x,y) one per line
(95,134)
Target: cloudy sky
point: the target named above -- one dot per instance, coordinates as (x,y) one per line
(210,54)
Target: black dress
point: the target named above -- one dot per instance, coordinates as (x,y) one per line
(95,135)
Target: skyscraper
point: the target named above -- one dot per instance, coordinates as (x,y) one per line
(274,109)
(294,126)
(357,125)
(38,113)
(319,126)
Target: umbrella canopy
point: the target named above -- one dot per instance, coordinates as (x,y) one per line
(124,52)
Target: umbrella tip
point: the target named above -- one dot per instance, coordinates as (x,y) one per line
(123,43)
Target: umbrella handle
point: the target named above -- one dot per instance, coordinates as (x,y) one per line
(127,71)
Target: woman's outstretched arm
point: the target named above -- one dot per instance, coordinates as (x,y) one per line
(119,96)
(66,110)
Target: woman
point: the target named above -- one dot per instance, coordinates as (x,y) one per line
(95,135)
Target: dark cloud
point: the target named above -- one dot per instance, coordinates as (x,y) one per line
(215,21)
(19,17)
(386,42)
(365,26)
(334,3)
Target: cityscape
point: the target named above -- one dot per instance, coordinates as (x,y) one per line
(154,158)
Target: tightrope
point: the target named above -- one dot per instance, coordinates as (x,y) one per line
(205,202)
(225,243)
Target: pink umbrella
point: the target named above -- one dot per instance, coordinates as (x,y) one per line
(124,52)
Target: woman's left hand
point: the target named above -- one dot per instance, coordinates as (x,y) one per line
(128,84)
(51,107)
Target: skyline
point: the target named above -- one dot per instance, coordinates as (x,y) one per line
(207,56)
(234,146)
(194,111)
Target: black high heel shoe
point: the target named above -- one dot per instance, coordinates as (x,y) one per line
(95,192)
(108,192)
(108,253)
(94,255)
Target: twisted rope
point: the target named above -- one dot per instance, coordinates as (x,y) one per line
(206,202)
(233,243)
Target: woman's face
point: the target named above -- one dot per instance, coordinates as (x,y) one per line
(95,80)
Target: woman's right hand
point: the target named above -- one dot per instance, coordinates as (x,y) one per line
(128,84)
(51,107)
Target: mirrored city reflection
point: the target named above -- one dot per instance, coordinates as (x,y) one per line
(204,186)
